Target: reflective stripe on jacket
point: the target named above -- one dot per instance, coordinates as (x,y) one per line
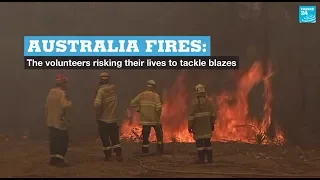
(148,104)
(200,118)
(106,103)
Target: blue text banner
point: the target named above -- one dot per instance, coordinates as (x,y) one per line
(117,46)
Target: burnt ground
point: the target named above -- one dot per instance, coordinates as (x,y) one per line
(30,159)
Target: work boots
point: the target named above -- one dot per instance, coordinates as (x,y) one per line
(61,163)
(118,152)
(160,148)
(57,162)
(209,156)
(107,154)
(201,157)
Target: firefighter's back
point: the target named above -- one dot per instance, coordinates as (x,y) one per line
(202,118)
(148,111)
(54,108)
(109,103)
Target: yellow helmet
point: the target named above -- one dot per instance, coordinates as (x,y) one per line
(151,83)
(104,75)
(200,89)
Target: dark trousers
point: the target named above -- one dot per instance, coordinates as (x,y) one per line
(58,143)
(110,137)
(204,149)
(146,129)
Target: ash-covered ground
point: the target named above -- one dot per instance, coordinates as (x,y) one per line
(28,158)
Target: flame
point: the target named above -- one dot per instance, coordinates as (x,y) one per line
(174,121)
(233,122)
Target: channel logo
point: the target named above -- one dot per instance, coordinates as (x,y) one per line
(307,14)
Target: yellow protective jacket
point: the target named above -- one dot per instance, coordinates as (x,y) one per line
(106,103)
(201,118)
(148,104)
(55,109)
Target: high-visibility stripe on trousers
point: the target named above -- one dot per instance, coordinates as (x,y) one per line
(204,148)
(109,135)
(146,129)
(58,142)
(56,156)
(203,144)
(107,148)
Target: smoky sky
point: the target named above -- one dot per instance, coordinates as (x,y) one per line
(270,34)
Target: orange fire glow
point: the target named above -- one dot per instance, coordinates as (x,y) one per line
(233,122)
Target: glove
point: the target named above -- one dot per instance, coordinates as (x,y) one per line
(190,130)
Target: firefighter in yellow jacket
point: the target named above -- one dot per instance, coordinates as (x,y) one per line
(105,104)
(57,103)
(149,106)
(201,123)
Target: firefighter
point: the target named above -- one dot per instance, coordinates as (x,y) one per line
(201,124)
(99,84)
(57,103)
(105,104)
(149,106)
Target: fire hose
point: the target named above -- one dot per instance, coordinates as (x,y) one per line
(282,175)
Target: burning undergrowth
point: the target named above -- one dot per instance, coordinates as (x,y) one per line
(233,123)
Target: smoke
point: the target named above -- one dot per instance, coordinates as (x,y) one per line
(292,51)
